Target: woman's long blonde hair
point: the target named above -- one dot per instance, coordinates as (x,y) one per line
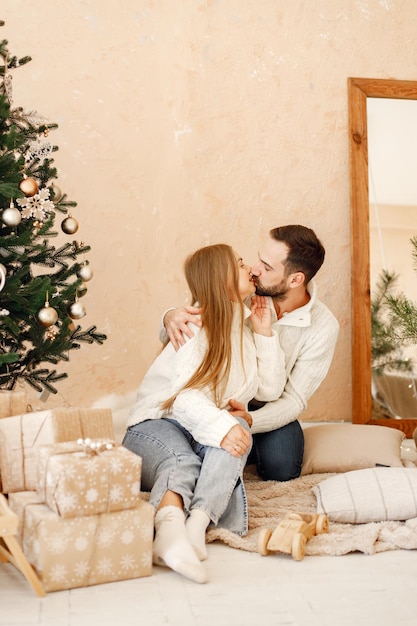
(213,278)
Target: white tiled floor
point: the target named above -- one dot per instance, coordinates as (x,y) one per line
(244,589)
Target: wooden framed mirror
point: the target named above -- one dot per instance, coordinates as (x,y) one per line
(359,90)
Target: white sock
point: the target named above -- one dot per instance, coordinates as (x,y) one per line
(171,546)
(196,526)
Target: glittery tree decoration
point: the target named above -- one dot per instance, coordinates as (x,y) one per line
(40,284)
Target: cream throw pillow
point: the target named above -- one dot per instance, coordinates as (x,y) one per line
(344,447)
(370,495)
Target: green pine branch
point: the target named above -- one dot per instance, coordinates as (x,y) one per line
(393,322)
(404,318)
(89,336)
(41,379)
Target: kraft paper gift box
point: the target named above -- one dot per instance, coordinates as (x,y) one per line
(82,551)
(22,435)
(12,402)
(18,502)
(88,478)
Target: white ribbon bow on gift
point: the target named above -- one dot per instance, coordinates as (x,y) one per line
(95,447)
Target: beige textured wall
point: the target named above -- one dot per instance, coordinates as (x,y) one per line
(189,122)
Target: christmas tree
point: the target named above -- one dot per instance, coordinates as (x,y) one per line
(393,322)
(40,285)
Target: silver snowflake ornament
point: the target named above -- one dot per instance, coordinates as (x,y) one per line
(37,206)
(38,150)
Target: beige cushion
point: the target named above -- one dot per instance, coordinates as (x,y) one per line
(345,447)
(370,495)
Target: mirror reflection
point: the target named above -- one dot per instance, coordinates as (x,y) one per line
(392,183)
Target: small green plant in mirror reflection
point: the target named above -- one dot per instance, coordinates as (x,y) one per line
(393,323)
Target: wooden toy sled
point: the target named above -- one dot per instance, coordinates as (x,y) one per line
(10,549)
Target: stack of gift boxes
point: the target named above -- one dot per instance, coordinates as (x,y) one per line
(82,520)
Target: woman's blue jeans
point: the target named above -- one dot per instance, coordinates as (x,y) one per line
(206,478)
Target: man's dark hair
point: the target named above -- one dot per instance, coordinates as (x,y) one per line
(305,250)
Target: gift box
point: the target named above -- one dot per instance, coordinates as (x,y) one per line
(12,402)
(87,478)
(22,435)
(82,551)
(18,502)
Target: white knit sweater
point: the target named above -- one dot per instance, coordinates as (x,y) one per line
(263,376)
(308,338)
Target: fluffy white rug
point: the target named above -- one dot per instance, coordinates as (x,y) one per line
(269,501)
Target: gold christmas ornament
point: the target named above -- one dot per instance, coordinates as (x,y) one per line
(29,186)
(76,310)
(11,216)
(85,273)
(56,193)
(69,225)
(52,332)
(47,316)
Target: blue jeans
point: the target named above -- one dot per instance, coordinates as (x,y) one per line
(278,454)
(206,478)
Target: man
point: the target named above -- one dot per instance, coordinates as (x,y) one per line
(288,260)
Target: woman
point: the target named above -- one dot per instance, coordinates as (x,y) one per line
(189,423)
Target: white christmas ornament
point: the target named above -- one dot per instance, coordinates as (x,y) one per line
(11,216)
(85,273)
(76,311)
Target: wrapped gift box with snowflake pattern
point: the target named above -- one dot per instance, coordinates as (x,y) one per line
(89,550)
(22,435)
(78,478)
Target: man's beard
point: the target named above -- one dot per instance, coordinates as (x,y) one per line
(278,292)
